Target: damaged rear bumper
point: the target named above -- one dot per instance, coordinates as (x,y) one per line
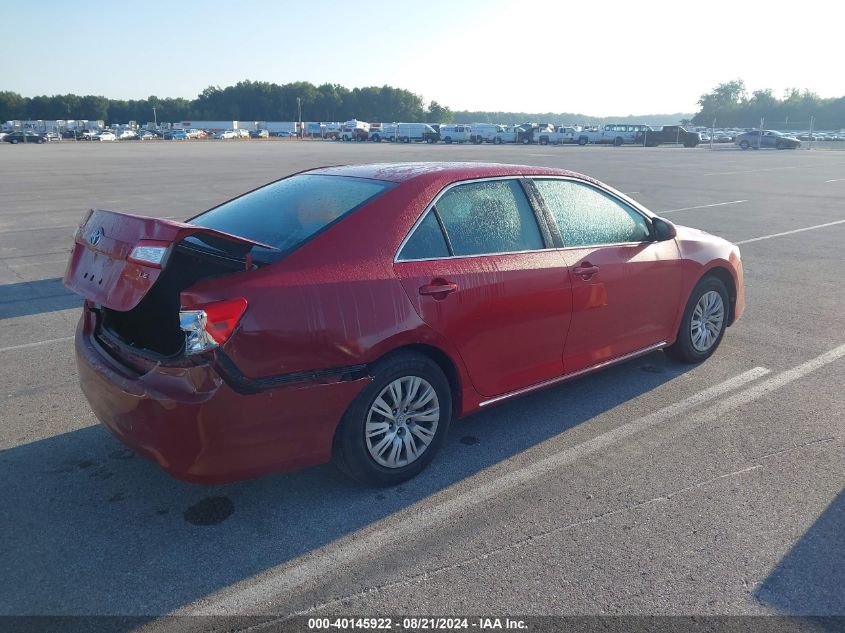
(198,427)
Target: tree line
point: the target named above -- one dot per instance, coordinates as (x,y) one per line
(245,101)
(731,105)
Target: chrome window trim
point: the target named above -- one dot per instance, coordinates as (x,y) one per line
(433,204)
(620,197)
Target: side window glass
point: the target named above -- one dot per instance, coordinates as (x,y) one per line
(489,217)
(586,216)
(427,241)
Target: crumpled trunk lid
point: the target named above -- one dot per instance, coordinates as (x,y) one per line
(100,269)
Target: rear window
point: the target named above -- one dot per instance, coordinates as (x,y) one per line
(287,213)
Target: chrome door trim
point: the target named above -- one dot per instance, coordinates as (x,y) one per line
(576,374)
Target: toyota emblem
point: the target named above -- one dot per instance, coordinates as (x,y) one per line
(95,236)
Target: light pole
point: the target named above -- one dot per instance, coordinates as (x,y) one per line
(155,118)
(299,109)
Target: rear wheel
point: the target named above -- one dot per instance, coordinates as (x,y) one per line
(497,141)
(448,140)
(582,140)
(744,144)
(397,423)
(617,142)
(704,322)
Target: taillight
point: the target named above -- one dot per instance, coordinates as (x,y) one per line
(211,325)
(149,253)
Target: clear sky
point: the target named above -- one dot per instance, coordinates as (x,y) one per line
(599,58)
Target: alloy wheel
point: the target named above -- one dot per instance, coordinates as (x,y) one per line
(402,422)
(707,321)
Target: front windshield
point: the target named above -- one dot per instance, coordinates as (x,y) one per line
(286,213)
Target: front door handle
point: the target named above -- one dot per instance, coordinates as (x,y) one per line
(438,289)
(585,271)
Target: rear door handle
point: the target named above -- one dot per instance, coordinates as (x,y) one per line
(439,290)
(585,271)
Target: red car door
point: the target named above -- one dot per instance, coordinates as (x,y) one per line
(489,285)
(625,287)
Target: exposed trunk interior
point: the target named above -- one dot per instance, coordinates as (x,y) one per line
(153,325)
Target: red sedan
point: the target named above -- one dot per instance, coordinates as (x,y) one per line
(350,313)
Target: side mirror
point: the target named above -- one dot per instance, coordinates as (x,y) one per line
(664,230)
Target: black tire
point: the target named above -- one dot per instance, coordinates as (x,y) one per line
(683,349)
(376,138)
(526,140)
(429,140)
(497,141)
(617,142)
(14,141)
(544,140)
(406,139)
(744,144)
(582,140)
(350,453)
(448,140)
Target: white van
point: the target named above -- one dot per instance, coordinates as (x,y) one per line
(485,132)
(415,133)
(456,133)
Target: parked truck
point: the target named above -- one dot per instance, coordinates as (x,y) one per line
(668,134)
(561,134)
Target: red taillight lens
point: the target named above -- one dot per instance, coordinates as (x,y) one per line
(222,317)
(210,325)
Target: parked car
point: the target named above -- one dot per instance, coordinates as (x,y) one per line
(105,135)
(175,135)
(259,134)
(241,133)
(185,355)
(21,136)
(127,135)
(282,134)
(226,134)
(195,133)
(766,138)
(52,136)
(146,135)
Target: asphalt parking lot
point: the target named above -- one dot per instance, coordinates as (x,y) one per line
(649,488)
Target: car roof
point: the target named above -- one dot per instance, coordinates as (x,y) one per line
(427,173)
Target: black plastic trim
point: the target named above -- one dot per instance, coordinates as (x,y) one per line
(232,376)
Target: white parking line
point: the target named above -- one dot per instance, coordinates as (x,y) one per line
(806,228)
(40,228)
(36,344)
(283,580)
(703,206)
(835,180)
(747,171)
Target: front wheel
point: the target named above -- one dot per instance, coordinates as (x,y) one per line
(744,144)
(394,427)
(704,322)
(582,140)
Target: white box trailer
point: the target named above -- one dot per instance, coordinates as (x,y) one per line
(279,126)
(208,126)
